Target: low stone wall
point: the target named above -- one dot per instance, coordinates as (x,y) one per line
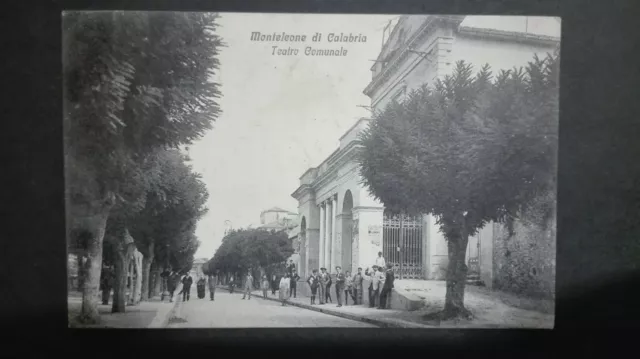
(525,263)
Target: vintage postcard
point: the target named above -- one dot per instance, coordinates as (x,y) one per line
(229,170)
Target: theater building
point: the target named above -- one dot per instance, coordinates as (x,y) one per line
(340,223)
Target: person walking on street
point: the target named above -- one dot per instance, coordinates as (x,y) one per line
(348,288)
(285,284)
(201,285)
(380,262)
(172,284)
(294,282)
(265,286)
(248,285)
(387,287)
(232,285)
(106,284)
(322,293)
(187,281)
(274,284)
(213,281)
(357,286)
(314,282)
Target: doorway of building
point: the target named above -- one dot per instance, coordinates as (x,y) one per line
(402,244)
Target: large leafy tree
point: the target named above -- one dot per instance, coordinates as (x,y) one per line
(251,248)
(174,204)
(469,150)
(134,82)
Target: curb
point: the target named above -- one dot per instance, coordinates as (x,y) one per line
(165,321)
(359,318)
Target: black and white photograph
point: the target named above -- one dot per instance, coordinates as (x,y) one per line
(272,170)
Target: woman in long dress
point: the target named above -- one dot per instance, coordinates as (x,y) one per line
(285,285)
(265,285)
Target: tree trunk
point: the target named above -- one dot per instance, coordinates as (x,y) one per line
(146,269)
(136,284)
(80,282)
(157,281)
(456,275)
(123,253)
(93,267)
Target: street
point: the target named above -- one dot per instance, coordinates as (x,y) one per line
(231,311)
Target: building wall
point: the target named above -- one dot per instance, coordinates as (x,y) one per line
(500,55)
(525,262)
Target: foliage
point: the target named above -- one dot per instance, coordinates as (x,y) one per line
(469,145)
(134,82)
(469,150)
(251,248)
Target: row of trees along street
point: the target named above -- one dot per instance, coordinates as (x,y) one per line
(258,250)
(137,89)
(469,150)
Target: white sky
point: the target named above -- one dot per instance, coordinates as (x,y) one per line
(281,114)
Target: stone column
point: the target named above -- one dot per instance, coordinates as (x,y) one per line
(322,234)
(335,245)
(327,236)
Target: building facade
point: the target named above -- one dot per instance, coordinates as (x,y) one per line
(340,223)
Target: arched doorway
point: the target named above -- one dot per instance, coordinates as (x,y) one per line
(304,250)
(349,246)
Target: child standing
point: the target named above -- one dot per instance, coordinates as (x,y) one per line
(314,282)
(348,289)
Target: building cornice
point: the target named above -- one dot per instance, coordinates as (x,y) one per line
(400,56)
(362,119)
(512,36)
(301,191)
(346,154)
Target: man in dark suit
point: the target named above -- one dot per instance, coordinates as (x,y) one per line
(294,282)
(386,287)
(187,281)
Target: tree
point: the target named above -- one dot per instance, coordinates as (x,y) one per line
(469,150)
(251,248)
(134,82)
(174,203)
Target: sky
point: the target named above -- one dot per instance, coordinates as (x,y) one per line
(280,114)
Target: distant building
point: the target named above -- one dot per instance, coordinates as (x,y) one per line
(278,219)
(196,270)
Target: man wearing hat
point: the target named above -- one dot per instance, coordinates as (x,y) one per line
(324,279)
(386,287)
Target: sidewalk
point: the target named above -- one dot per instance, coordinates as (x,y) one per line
(149,314)
(491,309)
(383,318)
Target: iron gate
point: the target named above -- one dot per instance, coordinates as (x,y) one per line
(402,245)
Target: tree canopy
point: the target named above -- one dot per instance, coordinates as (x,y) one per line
(135,82)
(251,248)
(468,150)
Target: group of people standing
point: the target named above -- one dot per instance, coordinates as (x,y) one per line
(381,279)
